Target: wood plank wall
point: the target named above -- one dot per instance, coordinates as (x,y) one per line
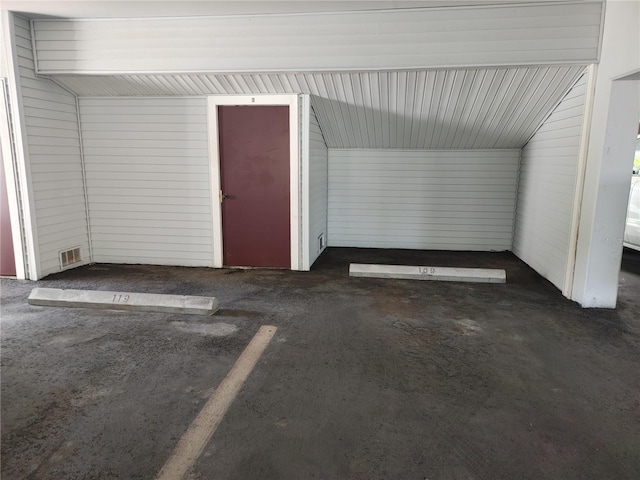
(547,189)
(148,184)
(422,199)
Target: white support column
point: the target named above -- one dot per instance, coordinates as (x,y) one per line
(305,105)
(611,141)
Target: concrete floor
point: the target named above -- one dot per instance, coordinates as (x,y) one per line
(365,378)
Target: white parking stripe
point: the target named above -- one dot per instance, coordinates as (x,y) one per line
(203,427)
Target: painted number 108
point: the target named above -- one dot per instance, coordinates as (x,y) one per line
(427,270)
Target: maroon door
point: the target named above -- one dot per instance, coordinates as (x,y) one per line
(7,258)
(254,175)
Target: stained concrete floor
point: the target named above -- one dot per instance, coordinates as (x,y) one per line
(365,378)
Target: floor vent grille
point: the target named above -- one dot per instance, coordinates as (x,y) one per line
(70,257)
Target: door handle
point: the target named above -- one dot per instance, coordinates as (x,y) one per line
(223,196)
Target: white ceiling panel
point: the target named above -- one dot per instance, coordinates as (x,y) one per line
(374,40)
(429,109)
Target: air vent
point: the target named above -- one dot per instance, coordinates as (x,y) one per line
(321,243)
(70,257)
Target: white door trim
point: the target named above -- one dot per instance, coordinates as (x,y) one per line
(10,179)
(22,173)
(291,101)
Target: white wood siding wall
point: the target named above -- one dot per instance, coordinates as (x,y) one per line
(367,40)
(53,145)
(547,188)
(420,199)
(148,183)
(318,188)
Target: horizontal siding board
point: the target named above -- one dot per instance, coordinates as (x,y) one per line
(52,116)
(146,108)
(547,189)
(149,248)
(144,254)
(422,199)
(40,97)
(128,170)
(173,145)
(150,233)
(139,117)
(26,66)
(142,184)
(37,122)
(47,196)
(142,151)
(58,227)
(144,128)
(402,208)
(147,168)
(396,39)
(63,217)
(150,192)
(62,239)
(369,52)
(52,140)
(63,206)
(184,224)
(46,132)
(145,204)
(135,258)
(100,208)
(55,44)
(131,104)
(58,180)
(479,245)
(180,133)
(266,62)
(182,218)
(36,86)
(23,42)
(111,239)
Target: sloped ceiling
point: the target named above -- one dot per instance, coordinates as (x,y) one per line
(429,109)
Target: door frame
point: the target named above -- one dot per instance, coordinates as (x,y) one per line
(8,158)
(291,101)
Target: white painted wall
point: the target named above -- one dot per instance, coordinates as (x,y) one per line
(616,110)
(318,188)
(52,161)
(547,184)
(478,35)
(422,199)
(148,180)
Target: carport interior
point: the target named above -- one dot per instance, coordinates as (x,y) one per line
(458,159)
(365,378)
(455,159)
(448,158)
